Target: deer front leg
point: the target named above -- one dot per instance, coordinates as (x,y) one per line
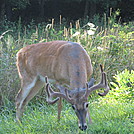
(59,108)
(88,117)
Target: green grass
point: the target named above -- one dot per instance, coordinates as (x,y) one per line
(109,116)
(110,45)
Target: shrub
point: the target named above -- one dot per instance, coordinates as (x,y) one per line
(123,85)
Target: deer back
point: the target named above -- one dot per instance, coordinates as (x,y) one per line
(63,61)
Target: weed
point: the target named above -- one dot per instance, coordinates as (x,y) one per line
(110,44)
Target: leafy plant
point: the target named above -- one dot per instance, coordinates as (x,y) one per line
(109,45)
(123,85)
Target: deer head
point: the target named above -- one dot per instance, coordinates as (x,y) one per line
(78,98)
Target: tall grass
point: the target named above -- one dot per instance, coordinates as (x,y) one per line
(110,44)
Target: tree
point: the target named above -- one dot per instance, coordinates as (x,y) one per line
(42,4)
(7,7)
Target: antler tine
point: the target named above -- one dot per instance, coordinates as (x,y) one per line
(46,79)
(51,93)
(49,96)
(67,95)
(102,84)
(47,86)
(86,92)
(106,86)
(101,68)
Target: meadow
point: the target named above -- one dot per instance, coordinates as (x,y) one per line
(108,42)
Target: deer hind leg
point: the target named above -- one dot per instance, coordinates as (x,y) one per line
(26,86)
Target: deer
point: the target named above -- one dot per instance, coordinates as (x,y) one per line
(65,62)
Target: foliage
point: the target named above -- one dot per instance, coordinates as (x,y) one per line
(20,4)
(110,45)
(123,86)
(72,9)
(109,116)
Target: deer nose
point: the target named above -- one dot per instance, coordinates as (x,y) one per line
(83,127)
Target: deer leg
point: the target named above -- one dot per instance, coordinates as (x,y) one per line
(59,108)
(27,85)
(88,117)
(39,84)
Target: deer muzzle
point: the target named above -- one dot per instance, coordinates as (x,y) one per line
(83,126)
(82,120)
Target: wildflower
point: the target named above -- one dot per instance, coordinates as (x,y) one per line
(91,25)
(76,34)
(100,48)
(90,32)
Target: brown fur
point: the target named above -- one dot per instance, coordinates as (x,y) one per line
(66,62)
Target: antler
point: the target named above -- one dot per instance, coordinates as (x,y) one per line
(102,84)
(51,94)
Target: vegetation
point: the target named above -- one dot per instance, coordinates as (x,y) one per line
(107,42)
(41,10)
(109,117)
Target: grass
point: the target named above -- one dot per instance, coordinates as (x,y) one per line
(109,117)
(110,44)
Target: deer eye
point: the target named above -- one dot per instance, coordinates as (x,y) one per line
(86,105)
(73,106)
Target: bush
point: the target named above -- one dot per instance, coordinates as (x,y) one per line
(123,85)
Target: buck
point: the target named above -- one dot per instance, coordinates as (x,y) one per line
(66,63)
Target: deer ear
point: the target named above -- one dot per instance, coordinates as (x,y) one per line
(67,93)
(91,82)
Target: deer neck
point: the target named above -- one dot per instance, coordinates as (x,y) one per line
(78,78)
